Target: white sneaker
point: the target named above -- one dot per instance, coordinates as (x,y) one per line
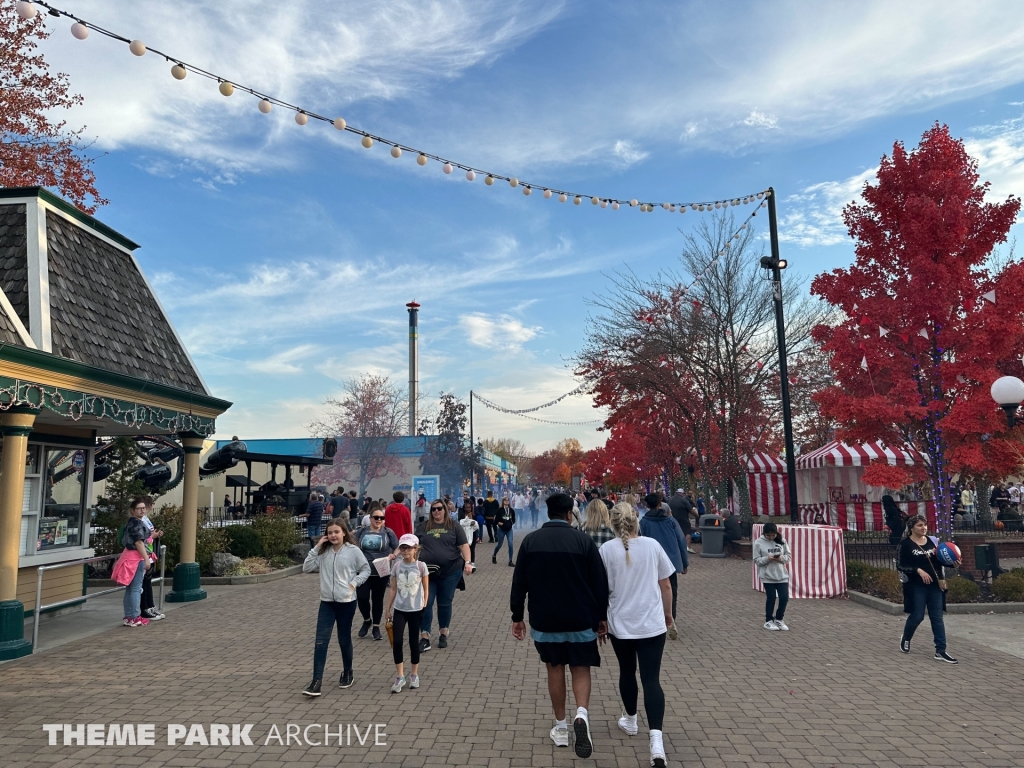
(414,681)
(628,724)
(560,735)
(771,625)
(399,684)
(780,624)
(657,750)
(584,746)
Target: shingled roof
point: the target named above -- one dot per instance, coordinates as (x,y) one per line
(14,258)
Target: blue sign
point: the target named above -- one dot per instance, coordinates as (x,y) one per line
(428,485)
(78,461)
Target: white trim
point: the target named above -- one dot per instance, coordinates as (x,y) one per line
(38,282)
(19,326)
(49,558)
(67,216)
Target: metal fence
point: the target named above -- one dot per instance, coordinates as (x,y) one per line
(870,547)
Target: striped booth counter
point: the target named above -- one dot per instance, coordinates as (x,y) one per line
(862,515)
(818,567)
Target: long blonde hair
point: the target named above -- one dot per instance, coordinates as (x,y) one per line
(596,516)
(625,523)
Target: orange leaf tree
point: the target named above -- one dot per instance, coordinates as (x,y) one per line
(34,149)
(919,347)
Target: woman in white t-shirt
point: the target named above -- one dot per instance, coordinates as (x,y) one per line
(639,614)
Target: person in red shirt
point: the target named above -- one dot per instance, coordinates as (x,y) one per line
(397,516)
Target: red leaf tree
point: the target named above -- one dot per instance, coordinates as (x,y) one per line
(35,150)
(919,347)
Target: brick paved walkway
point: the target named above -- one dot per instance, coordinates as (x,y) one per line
(833,691)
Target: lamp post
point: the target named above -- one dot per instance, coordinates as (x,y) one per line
(1008,392)
(776,265)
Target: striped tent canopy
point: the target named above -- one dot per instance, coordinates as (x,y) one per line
(763,462)
(837,454)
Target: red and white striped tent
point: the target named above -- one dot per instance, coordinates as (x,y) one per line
(818,567)
(766,480)
(831,489)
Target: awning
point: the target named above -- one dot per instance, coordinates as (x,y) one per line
(239,481)
(763,462)
(837,454)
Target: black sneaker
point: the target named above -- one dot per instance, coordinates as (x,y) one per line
(943,656)
(904,645)
(346,679)
(511,564)
(442,641)
(584,746)
(313,689)
(494,559)
(376,634)
(363,630)
(424,644)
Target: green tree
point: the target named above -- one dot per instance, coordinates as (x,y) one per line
(447,451)
(120,488)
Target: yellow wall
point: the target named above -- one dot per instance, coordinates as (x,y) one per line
(60,584)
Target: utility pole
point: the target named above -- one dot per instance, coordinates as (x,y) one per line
(776,265)
(472,450)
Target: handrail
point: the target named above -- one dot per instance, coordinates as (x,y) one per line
(75,600)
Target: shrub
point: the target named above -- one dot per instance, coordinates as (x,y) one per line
(888,584)
(856,574)
(277,534)
(1009,587)
(237,570)
(208,540)
(281,561)
(257,565)
(1018,571)
(243,541)
(962,590)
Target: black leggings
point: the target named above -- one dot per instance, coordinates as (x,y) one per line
(770,591)
(146,601)
(372,592)
(472,551)
(673,581)
(648,653)
(491,528)
(400,620)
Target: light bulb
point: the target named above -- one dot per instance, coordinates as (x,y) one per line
(339,123)
(682,209)
(396,152)
(178,72)
(562,197)
(513,182)
(226,88)
(421,159)
(367,142)
(265,106)
(301,118)
(577,200)
(633,203)
(768,193)
(527,191)
(665,206)
(447,168)
(79,30)
(137,47)
(594,201)
(604,203)
(26,10)
(700,207)
(547,194)
(615,205)
(489,180)
(470,175)
(693,207)
(760,195)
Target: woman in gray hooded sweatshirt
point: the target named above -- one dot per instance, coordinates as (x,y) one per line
(342,567)
(772,556)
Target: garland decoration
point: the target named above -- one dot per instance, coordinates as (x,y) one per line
(523,412)
(180,69)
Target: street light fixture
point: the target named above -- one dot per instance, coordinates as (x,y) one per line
(1008,392)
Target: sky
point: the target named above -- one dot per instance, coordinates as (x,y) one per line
(285,254)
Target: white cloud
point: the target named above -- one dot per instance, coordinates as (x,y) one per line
(760,120)
(814,215)
(627,153)
(999,150)
(283,362)
(497,332)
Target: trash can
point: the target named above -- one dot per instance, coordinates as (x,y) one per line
(712,536)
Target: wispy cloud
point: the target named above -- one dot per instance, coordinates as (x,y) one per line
(815,213)
(502,332)
(285,362)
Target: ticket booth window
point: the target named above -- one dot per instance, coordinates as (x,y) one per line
(63,499)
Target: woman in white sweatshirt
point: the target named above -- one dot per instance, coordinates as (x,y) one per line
(772,556)
(342,568)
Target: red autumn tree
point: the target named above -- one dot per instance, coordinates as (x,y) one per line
(34,149)
(920,346)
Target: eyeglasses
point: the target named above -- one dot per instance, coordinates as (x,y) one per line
(437,509)
(377,517)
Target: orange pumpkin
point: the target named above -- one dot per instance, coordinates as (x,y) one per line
(1000,525)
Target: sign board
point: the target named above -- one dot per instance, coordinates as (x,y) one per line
(428,485)
(78,461)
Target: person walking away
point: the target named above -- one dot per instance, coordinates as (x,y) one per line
(490,510)
(353,507)
(566,621)
(771,556)
(443,547)
(639,615)
(924,586)
(314,518)
(467,519)
(342,569)
(663,528)
(504,522)
(534,508)
(375,541)
(337,505)
(147,604)
(893,520)
(682,508)
(597,524)
(409,584)
(397,516)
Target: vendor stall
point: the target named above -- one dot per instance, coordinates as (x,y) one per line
(766,481)
(818,567)
(831,488)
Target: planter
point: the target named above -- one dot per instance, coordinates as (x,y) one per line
(896,609)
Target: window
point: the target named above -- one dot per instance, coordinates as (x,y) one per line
(63,498)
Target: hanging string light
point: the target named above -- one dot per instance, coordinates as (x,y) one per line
(80,29)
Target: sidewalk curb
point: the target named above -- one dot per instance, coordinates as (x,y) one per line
(223,580)
(960,609)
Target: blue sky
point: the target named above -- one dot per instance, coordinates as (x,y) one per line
(285,254)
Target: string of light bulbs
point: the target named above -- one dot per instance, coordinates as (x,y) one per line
(581,388)
(522,415)
(179,70)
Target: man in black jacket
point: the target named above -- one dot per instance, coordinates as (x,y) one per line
(560,571)
(682,508)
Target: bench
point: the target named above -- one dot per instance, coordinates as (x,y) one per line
(743,549)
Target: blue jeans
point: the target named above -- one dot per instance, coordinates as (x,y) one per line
(504,536)
(925,596)
(442,590)
(332,613)
(133,593)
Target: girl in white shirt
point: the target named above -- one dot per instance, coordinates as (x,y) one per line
(639,614)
